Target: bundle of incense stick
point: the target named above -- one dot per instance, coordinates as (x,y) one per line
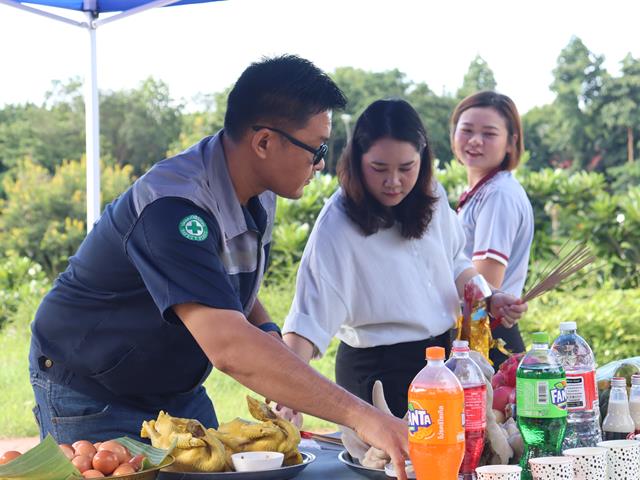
(555,273)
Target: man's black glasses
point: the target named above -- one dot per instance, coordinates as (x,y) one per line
(318,153)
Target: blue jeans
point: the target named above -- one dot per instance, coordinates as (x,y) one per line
(69,415)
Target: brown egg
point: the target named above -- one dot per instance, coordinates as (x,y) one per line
(82,463)
(92,474)
(105,461)
(136,462)
(97,445)
(124,469)
(67,450)
(115,447)
(84,447)
(8,456)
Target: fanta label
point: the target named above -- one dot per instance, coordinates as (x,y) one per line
(432,422)
(541,398)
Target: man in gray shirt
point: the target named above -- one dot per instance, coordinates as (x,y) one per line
(166,283)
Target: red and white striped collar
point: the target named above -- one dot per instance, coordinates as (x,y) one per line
(468,194)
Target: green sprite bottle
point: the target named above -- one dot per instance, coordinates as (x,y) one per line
(541,403)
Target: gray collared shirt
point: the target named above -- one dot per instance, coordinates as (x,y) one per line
(200,175)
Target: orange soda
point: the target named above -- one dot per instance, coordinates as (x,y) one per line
(436,420)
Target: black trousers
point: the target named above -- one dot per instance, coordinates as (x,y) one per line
(514,343)
(357,369)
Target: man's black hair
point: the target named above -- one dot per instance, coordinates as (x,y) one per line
(284,91)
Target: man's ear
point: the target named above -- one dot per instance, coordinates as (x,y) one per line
(261,142)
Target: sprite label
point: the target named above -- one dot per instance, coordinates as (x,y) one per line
(541,397)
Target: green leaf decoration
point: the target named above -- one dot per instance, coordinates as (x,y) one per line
(153,456)
(45,461)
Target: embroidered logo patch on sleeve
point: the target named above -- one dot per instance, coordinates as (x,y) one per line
(194,228)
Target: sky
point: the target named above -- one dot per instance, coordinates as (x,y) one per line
(203,48)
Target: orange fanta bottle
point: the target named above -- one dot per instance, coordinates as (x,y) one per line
(436,420)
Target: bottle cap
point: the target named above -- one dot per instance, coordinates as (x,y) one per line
(618,382)
(566,326)
(460,346)
(435,353)
(540,337)
(635,379)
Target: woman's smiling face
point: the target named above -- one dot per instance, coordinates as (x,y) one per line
(481,139)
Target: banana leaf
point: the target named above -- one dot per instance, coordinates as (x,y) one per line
(45,461)
(153,456)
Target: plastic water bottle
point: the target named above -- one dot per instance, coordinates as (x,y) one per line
(541,401)
(436,420)
(634,401)
(618,424)
(475,406)
(583,410)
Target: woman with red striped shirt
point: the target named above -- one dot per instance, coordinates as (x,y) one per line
(496,214)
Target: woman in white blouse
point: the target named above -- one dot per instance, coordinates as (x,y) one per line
(384,266)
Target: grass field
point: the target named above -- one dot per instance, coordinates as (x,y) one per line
(16,396)
(608,319)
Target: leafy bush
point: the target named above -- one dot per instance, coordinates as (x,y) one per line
(607,319)
(43,215)
(22,283)
(294,221)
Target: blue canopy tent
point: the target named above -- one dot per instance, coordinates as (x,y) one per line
(92,10)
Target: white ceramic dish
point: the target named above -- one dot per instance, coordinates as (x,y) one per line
(282,473)
(256,461)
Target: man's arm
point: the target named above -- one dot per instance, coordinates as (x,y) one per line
(259,316)
(269,368)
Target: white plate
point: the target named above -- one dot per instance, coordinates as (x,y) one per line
(353,464)
(282,473)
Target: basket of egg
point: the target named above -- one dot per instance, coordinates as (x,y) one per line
(123,458)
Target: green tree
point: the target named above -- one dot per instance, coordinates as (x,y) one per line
(578,79)
(620,101)
(138,126)
(538,124)
(43,215)
(435,112)
(201,123)
(46,134)
(479,77)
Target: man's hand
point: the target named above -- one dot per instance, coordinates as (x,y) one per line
(288,414)
(387,433)
(270,369)
(507,308)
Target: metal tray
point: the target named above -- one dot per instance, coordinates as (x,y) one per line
(353,464)
(282,473)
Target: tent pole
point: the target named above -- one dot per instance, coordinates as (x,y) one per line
(92,126)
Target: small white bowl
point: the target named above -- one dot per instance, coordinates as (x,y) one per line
(257,461)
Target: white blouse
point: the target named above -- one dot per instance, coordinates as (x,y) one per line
(380,289)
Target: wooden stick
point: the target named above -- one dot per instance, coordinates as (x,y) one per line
(578,258)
